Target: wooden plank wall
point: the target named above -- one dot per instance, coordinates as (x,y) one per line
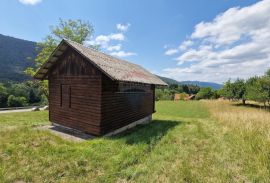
(75,94)
(122,108)
(83,98)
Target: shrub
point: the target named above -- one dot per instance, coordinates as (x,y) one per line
(3,96)
(163,94)
(204,93)
(16,101)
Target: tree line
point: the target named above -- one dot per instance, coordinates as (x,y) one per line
(256,88)
(167,93)
(27,93)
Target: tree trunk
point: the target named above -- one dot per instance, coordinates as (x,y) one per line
(244,101)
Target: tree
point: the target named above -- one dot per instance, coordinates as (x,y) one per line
(266,84)
(185,89)
(255,90)
(16,101)
(19,90)
(3,96)
(227,90)
(204,93)
(193,89)
(73,30)
(163,94)
(215,94)
(239,90)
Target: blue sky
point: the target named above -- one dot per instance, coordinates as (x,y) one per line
(184,40)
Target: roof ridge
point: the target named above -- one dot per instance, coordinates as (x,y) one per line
(97,51)
(113,67)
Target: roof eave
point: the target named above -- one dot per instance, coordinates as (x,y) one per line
(44,75)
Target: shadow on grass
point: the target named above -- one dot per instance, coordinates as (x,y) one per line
(68,133)
(148,133)
(256,106)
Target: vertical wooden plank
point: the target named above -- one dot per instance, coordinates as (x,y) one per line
(75,94)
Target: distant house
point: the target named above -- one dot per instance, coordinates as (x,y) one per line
(180,96)
(96,93)
(183,96)
(190,97)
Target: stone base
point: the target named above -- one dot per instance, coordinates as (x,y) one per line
(78,133)
(145,120)
(67,133)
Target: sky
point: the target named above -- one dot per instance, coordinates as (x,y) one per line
(203,40)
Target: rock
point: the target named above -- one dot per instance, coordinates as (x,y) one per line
(35,109)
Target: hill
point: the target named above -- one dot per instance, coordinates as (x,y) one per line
(215,86)
(14,54)
(198,83)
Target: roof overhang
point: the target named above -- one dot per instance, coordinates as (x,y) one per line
(42,73)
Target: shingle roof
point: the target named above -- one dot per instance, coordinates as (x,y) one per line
(116,69)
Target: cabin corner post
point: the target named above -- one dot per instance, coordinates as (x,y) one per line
(153,87)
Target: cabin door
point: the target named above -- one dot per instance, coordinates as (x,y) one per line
(65,96)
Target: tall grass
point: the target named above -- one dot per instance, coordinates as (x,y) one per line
(247,132)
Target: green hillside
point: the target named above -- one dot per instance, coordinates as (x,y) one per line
(14,54)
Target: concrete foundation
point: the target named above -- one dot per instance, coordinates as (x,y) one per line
(145,120)
(82,135)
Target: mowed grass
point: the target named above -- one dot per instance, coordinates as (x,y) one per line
(198,141)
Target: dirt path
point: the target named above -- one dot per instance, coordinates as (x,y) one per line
(17,110)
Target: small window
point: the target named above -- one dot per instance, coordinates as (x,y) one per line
(133,87)
(65,92)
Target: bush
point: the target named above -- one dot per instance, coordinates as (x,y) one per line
(44,100)
(16,101)
(204,93)
(163,94)
(3,96)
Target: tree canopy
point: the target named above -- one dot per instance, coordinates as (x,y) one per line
(255,88)
(73,30)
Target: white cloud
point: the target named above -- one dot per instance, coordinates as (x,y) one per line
(118,37)
(183,46)
(111,43)
(30,2)
(171,51)
(104,40)
(186,44)
(114,48)
(123,27)
(122,54)
(235,44)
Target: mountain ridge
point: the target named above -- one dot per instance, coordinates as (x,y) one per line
(213,85)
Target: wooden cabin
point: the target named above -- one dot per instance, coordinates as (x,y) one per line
(96,93)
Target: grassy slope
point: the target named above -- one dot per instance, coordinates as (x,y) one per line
(183,144)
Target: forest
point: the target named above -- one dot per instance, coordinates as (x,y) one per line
(22,94)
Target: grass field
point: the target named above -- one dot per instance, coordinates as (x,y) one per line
(206,141)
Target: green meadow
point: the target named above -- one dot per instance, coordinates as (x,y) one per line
(195,141)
